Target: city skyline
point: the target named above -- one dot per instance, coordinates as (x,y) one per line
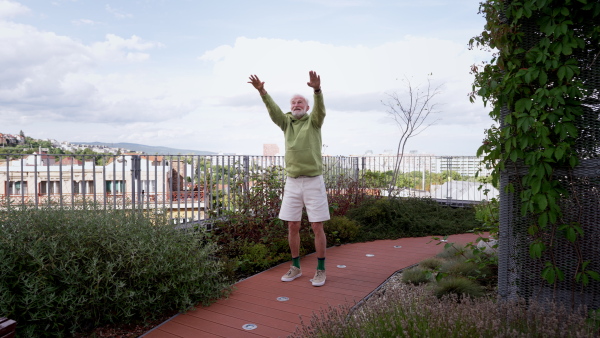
(175,73)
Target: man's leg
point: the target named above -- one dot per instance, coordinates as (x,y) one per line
(320,239)
(294,242)
(294,238)
(320,246)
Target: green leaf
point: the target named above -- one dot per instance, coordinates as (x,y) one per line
(558,48)
(535,186)
(519,13)
(573,161)
(560,274)
(543,78)
(535,249)
(561,72)
(532,230)
(549,275)
(570,234)
(543,219)
(542,201)
(593,274)
(559,153)
(523,104)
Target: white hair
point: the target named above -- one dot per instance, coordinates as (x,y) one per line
(302,96)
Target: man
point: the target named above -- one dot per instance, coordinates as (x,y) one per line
(304,185)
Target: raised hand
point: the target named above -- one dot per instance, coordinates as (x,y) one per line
(315,80)
(260,86)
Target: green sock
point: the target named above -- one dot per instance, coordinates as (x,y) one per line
(296,262)
(321,263)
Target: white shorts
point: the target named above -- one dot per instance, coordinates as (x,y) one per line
(304,191)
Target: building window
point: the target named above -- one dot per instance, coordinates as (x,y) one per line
(87,187)
(17,188)
(49,187)
(116,187)
(149,186)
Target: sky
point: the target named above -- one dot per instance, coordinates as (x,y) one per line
(175,73)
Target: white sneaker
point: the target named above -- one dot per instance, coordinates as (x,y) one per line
(319,278)
(292,274)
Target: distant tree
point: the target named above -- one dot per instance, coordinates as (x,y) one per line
(410,112)
(22,134)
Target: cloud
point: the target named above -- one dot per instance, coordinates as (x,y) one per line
(114,48)
(9,9)
(84,22)
(338,3)
(117,13)
(116,89)
(49,77)
(354,78)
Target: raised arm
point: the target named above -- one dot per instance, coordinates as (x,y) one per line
(315,81)
(260,86)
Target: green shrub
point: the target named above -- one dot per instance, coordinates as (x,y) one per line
(483,263)
(416,276)
(65,271)
(464,268)
(340,230)
(488,214)
(431,263)
(459,286)
(453,251)
(390,218)
(256,257)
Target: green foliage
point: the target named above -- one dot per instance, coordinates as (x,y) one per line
(257,257)
(431,263)
(65,271)
(416,276)
(340,230)
(477,263)
(390,218)
(541,86)
(413,179)
(459,286)
(488,213)
(344,193)
(452,251)
(464,269)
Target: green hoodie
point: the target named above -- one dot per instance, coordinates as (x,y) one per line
(302,137)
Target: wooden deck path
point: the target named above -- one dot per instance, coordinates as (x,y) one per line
(353,272)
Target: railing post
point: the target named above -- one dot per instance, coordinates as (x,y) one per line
(246,175)
(356,168)
(135,180)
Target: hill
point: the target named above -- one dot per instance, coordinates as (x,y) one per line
(150,150)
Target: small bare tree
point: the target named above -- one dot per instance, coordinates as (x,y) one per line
(410,111)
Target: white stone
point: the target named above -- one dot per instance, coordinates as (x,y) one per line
(488,246)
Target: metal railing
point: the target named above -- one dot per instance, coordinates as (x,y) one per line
(200,187)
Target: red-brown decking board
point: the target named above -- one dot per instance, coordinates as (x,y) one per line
(255,299)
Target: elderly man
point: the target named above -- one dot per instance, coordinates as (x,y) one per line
(304,185)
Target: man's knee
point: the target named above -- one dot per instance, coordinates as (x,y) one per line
(317,227)
(294,226)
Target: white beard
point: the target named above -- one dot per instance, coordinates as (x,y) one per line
(298,114)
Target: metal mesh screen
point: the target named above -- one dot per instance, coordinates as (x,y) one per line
(519,274)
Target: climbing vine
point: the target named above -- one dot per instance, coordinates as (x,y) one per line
(534,88)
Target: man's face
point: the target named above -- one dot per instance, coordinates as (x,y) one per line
(299,106)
